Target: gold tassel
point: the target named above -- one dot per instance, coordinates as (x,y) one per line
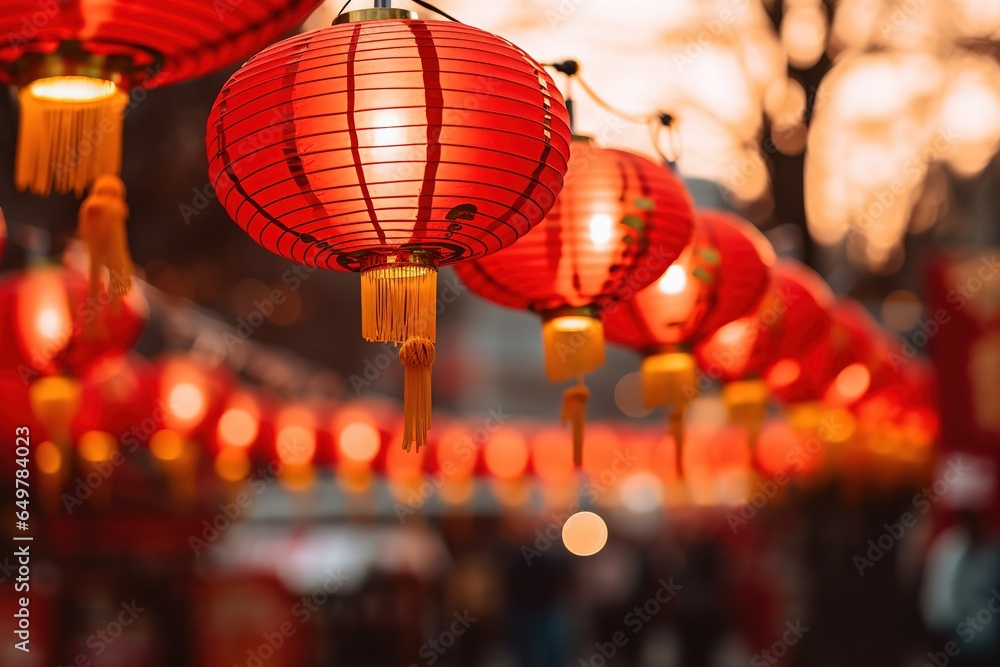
(746,404)
(398,302)
(417,356)
(573,344)
(71,133)
(670,379)
(101,227)
(574,411)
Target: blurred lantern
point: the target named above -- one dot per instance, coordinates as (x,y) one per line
(76,63)
(191,393)
(119,396)
(864,358)
(236,432)
(390,147)
(791,318)
(177,456)
(54,326)
(295,444)
(721,276)
(618,223)
(506,454)
(552,457)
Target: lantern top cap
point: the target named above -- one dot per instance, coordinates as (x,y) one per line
(375,14)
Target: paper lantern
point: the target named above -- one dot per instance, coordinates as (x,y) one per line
(76,62)
(390,146)
(618,223)
(55,326)
(719,277)
(791,318)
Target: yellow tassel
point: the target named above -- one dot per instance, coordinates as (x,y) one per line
(573,344)
(417,356)
(398,302)
(101,227)
(670,379)
(574,411)
(71,133)
(746,404)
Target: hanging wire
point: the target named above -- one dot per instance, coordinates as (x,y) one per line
(342,10)
(429,6)
(655,122)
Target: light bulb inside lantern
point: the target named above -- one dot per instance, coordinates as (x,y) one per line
(71,89)
(359,442)
(584,534)
(187,401)
(49,322)
(600,229)
(783,373)
(238,427)
(673,281)
(851,383)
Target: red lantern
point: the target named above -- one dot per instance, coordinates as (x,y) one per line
(618,223)
(55,325)
(390,146)
(722,275)
(75,63)
(790,319)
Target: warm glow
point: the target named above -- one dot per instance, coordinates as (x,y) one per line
(48,458)
(584,534)
(600,229)
(803,34)
(783,373)
(186,401)
(387,129)
(602,451)
(43,314)
(232,464)
(402,465)
(674,280)
(166,445)
(240,423)
(570,323)
(49,322)
(506,454)
(296,436)
(456,452)
(359,441)
(851,383)
(552,456)
(72,89)
(96,446)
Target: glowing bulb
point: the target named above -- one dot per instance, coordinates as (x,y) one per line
(186,401)
(96,446)
(600,229)
(852,382)
(573,323)
(48,458)
(166,445)
(584,534)
(674,280)
(359,441)
(237,427)
(232,464)
(72,89)
(48,322)
(783,373)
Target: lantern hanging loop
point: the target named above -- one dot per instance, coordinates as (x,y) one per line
(387,4)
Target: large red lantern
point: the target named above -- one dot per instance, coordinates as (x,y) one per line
(721,276)
(76,61)
(791,318)
(618,223)
(390,146)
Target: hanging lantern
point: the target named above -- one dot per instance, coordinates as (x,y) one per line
(790,319)
(75,64)
(55,326)
(719,277)
(390,146)
(618,223)
(102,228)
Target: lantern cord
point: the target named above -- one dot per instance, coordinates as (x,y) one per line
(430,7)
(342,9)
(574,411)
